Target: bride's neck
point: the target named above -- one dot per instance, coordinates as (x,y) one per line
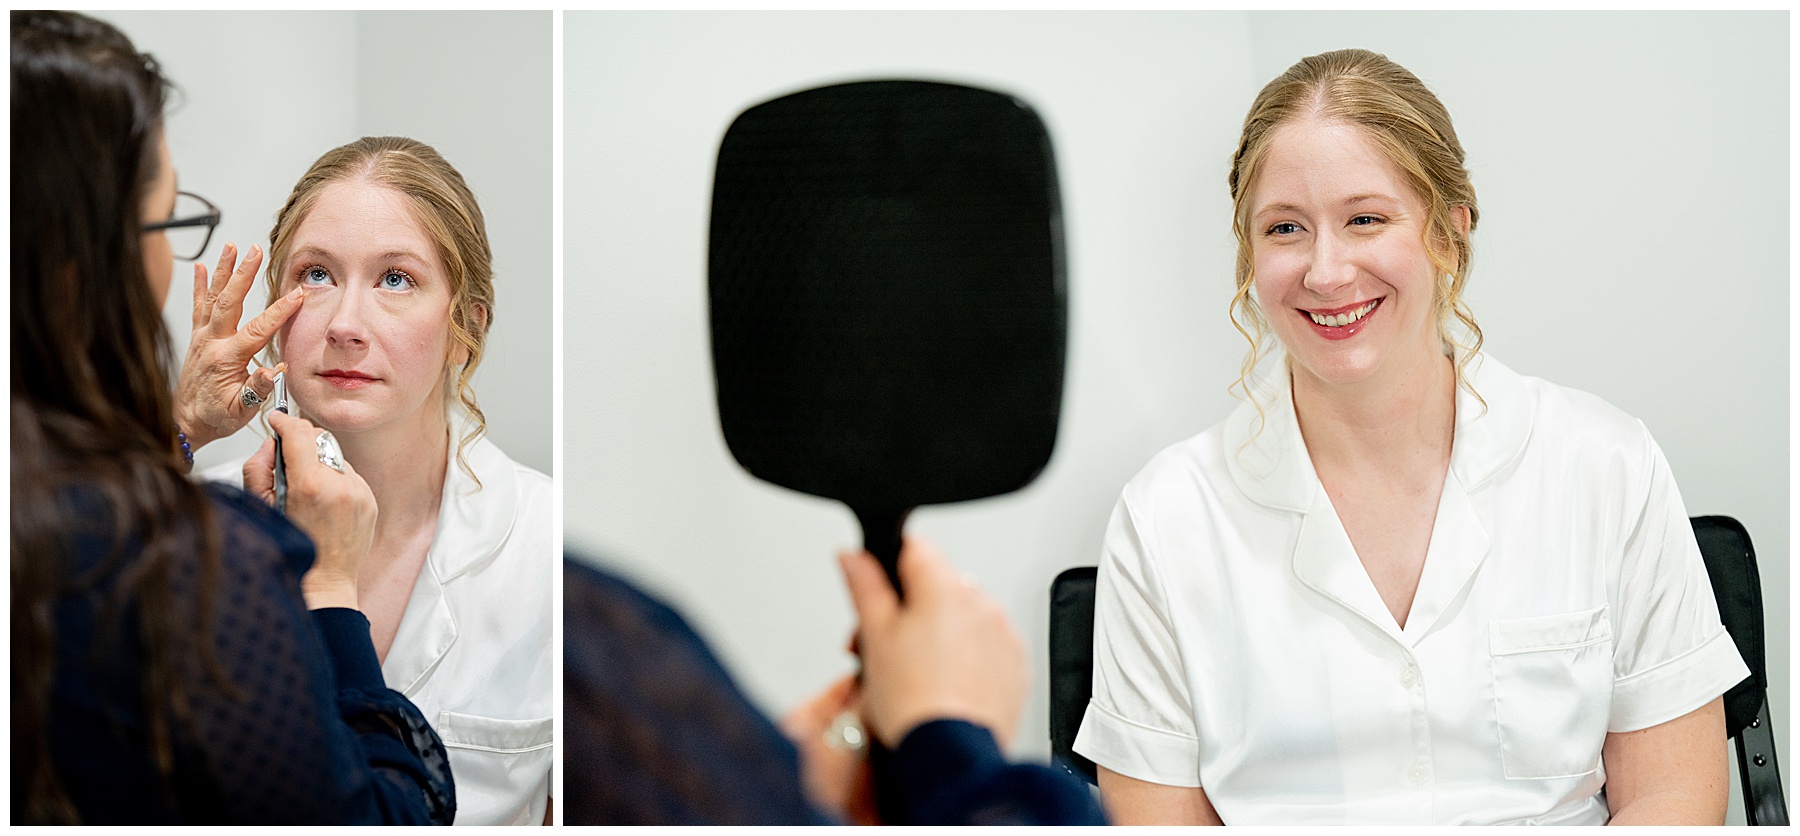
(404,464)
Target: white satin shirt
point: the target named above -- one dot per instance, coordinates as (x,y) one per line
(474,651)
(1240,646)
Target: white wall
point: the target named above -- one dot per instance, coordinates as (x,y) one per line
(263,94)
(1632,173)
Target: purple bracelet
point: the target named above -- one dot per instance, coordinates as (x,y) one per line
(187,452)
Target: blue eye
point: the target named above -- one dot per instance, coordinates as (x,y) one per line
(1284,228)
(315,276)
(395,280)
(1364,220)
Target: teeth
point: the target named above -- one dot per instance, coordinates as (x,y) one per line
(1342,319)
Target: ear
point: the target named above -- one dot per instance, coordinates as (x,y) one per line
(459,353)
(1459,215)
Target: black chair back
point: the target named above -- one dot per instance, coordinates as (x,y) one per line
(1071,664)
(1731,563)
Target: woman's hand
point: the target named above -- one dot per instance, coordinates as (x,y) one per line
(337,510)
(209,402)
(835,774)
(947,652)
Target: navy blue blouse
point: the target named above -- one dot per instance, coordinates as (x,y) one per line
(311,734)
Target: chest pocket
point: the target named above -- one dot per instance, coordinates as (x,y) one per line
(501,767)
(1552,691)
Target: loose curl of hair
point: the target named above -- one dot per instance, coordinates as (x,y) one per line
(1406,121)
(92,419)
(444,205)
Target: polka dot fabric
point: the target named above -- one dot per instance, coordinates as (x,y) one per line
(288,722)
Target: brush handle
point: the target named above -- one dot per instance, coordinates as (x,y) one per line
(280,479)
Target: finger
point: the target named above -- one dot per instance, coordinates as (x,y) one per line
(199,295)
(220,277)
(262,381)
(840,695)
(870,592)
(257,333)
(229,307)
(820,709)
(259,471)
(924,570)
(293,430)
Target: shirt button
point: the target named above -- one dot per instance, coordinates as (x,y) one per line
(1409,677)
(1416,774)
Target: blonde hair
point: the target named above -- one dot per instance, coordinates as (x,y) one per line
(1411,127)
(446,208)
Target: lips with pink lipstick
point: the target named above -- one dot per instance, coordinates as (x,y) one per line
(347,378)
(1341,323)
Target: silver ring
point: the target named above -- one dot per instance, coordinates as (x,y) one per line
(250,398)
(846,733)
(330,454)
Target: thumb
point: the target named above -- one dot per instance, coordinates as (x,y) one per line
(870,592)
(259,472)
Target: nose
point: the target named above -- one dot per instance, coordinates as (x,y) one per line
(347,327)
(1332,268)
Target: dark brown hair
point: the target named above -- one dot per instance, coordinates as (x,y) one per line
(91,404)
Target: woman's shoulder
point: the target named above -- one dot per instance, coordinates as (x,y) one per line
(1182,474)
(533,493)
(505,525)
(1580,423)
(248,527)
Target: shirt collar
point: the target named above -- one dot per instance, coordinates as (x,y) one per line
(1267,457)
(473,520)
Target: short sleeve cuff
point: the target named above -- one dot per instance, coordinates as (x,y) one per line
(352,652)
(1138,751)
(1678,686)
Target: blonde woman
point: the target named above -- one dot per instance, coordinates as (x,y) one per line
(386,244)
(1402,584)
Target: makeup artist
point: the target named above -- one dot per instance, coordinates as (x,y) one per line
(180,653)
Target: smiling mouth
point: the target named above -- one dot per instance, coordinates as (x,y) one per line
(1343,316)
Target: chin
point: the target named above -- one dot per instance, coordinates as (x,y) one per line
(343,416)
(1336,368)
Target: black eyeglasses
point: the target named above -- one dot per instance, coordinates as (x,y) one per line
(190,226)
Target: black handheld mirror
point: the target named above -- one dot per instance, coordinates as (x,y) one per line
(887,297)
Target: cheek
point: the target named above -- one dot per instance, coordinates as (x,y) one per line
(1273,277)
(1408,268)
(305,330)
(418,344)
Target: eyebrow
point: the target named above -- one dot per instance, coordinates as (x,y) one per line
(390,255)
(1349,201)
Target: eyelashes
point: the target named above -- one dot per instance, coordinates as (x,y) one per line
(315,275)
(1285,228)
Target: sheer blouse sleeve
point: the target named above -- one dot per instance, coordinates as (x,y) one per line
(306,730)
